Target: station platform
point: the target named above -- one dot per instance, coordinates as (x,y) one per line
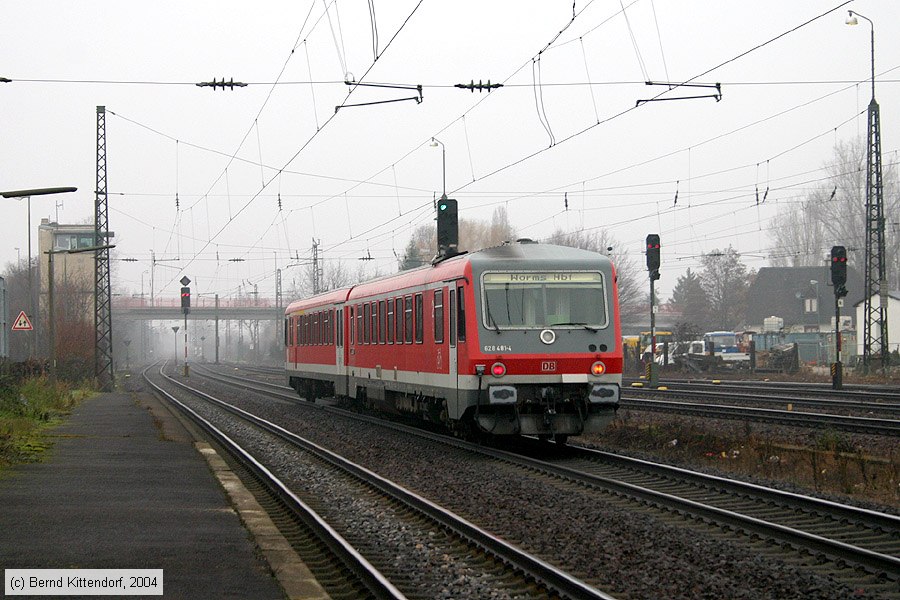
(125,488)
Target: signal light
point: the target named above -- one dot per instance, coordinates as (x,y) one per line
(839,270)
(498,369)
(185,297)
(447,227)
(598,368)
(653,255)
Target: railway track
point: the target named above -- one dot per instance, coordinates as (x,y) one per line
(499,565)
(858,546)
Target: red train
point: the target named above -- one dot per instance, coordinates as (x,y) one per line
(523,338)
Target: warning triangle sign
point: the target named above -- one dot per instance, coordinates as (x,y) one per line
(22,323)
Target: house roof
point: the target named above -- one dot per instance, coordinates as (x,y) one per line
(782,291)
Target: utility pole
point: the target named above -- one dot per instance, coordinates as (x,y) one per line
(103,359)
(875,323)
(317,273)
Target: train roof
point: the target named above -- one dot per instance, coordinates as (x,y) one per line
(526,251)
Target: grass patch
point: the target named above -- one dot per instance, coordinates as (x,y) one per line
(27,410)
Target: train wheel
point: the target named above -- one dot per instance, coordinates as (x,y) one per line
(561,439)
(309,391)
(544,437)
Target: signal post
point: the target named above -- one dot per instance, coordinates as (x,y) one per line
(186,308)
(653,262)
(839,281)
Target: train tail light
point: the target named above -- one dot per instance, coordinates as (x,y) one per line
(498,369)
(598,368)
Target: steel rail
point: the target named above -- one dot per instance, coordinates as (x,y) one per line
(531,566)
(374,581)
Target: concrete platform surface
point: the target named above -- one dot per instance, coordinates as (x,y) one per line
(121,490)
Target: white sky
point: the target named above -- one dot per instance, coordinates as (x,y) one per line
(368,177)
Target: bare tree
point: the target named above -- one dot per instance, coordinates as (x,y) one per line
(833,214)
(601,241)
(725,280)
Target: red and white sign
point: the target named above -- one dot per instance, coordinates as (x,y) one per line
(22,323)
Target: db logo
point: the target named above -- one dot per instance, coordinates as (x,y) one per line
(548,365)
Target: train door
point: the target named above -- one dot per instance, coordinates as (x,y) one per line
(340,386)
(452,359)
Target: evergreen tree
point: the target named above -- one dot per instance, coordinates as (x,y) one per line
(690,299)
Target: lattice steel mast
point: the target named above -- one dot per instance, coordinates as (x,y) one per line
(103,361)
(875,324)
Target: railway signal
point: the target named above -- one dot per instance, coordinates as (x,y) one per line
(653,255)
(186,299)
(447,227)
(839,270)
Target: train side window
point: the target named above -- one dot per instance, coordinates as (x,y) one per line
(360,329)
(438,314)
(287,332)
(367,322)
(382,321)
(352,324)
(450,309)
(398,312)
(373,323)
(420,321)
(390,321)
(461,314)
(316,329)
(329,327)
(408,320)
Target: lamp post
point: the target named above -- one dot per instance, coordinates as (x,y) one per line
(51,309)
(852,20)
(434,144)
(27,194)
(875,320)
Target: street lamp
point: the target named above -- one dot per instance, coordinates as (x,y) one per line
(852,20)
(876,276)
(27,194)
(51,309)
(434,144)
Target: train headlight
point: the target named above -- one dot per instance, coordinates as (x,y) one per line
(598,368)
(498,369)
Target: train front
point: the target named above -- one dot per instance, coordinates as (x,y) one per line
(547,360)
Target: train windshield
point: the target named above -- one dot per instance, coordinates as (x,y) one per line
(536,300)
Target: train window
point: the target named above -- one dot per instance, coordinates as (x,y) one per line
(373,323)
(382,321)
(398,305)
(287,332)
(536,300)
(461,314)
(317,329)
(408,320)
(420,321)
(330,330)
(352,324)
(340,327)
(452,305)
(360,330)
(390,321)
(438,312)
(367,322)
